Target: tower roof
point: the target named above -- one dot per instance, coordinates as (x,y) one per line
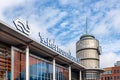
(86,36)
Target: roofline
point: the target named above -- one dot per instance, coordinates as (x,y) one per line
(86,35)
(34,42)
(95,69)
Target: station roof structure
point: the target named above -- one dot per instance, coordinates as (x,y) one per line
(13,37)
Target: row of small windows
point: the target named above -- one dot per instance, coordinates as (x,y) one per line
(110,72)
(116,71)
(91,75)
(111,78)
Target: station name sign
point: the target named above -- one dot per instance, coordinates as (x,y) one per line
(45,41)
(50,44)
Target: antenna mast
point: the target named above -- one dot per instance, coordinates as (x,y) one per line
(86,26)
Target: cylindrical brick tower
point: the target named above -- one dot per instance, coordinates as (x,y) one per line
(88,51)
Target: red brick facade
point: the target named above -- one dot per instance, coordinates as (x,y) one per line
(19,63)
(111,73)
(5,63)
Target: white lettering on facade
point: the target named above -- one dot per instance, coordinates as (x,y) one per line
(51,45)
(45,41)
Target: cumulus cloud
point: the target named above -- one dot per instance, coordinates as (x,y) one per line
(101,30)
(108,59)
(5,4)
(67,2)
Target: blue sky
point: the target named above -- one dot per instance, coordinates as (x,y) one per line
(64,21)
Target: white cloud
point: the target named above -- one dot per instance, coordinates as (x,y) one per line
(111,46)
(70,47)
(107,24)
(66,2)
(5,4)
(108,59)
(101,30)
(41,23)
(56,19)
(64,24)
(110,53)
(114,19)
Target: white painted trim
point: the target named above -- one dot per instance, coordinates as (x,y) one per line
(54,69)
(27,63)
(70,72)
(80,75)
(12,63)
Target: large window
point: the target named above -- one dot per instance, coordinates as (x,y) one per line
(61,73)
(40,70)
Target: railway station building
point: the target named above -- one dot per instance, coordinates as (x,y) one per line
(23,58)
